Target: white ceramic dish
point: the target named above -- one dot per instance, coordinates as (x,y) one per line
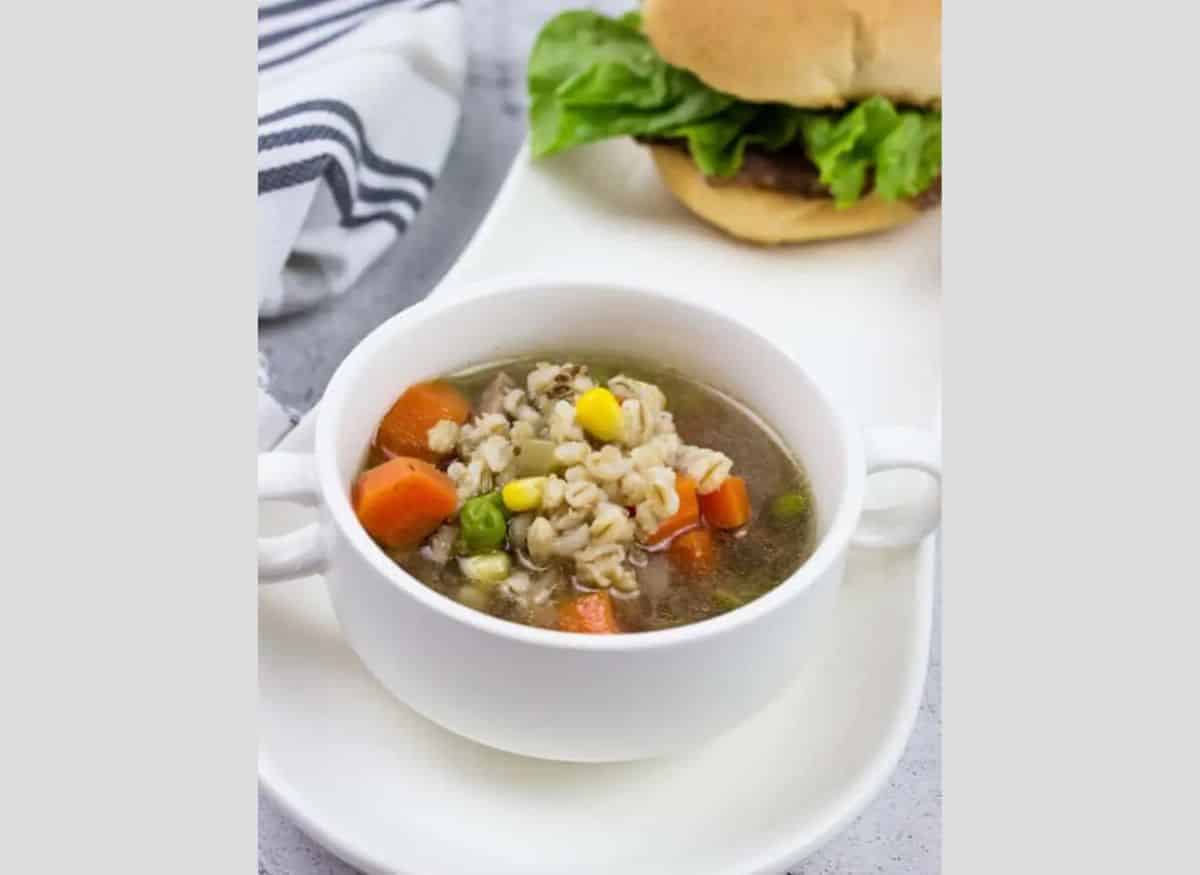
(539,692)
(390,792)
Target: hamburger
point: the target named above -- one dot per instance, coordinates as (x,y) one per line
(775,120)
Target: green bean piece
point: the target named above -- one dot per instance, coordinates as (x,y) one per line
(535,457)
(486,570)
(725,600)
(483,524)
(473,597)
(789,508)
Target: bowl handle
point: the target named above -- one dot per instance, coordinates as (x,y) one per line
(892,449)
(290,477)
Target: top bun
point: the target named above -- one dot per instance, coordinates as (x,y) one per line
(808,53)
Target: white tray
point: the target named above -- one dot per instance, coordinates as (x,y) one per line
(389,792)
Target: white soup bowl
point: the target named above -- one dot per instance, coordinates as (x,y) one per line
(551,694)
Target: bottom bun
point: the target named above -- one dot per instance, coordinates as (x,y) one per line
(764,216)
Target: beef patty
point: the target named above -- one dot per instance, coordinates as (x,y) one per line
(789,170)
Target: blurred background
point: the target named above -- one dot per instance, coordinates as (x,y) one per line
(301,352)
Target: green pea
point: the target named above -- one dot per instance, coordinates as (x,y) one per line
(789,508)
(497,499)
(482,523)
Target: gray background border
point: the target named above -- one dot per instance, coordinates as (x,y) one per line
(1071,435)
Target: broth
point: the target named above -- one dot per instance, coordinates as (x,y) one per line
(745,562)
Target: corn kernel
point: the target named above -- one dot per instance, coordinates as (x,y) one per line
(524,494)
(599,412)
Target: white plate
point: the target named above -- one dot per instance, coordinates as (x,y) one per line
(389,792)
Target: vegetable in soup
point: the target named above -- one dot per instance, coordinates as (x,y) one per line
(595,498)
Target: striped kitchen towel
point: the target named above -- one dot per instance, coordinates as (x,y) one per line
(358,102)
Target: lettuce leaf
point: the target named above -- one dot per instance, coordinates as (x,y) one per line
(591,78)
(903,148)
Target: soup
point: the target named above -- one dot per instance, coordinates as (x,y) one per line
(606,496)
